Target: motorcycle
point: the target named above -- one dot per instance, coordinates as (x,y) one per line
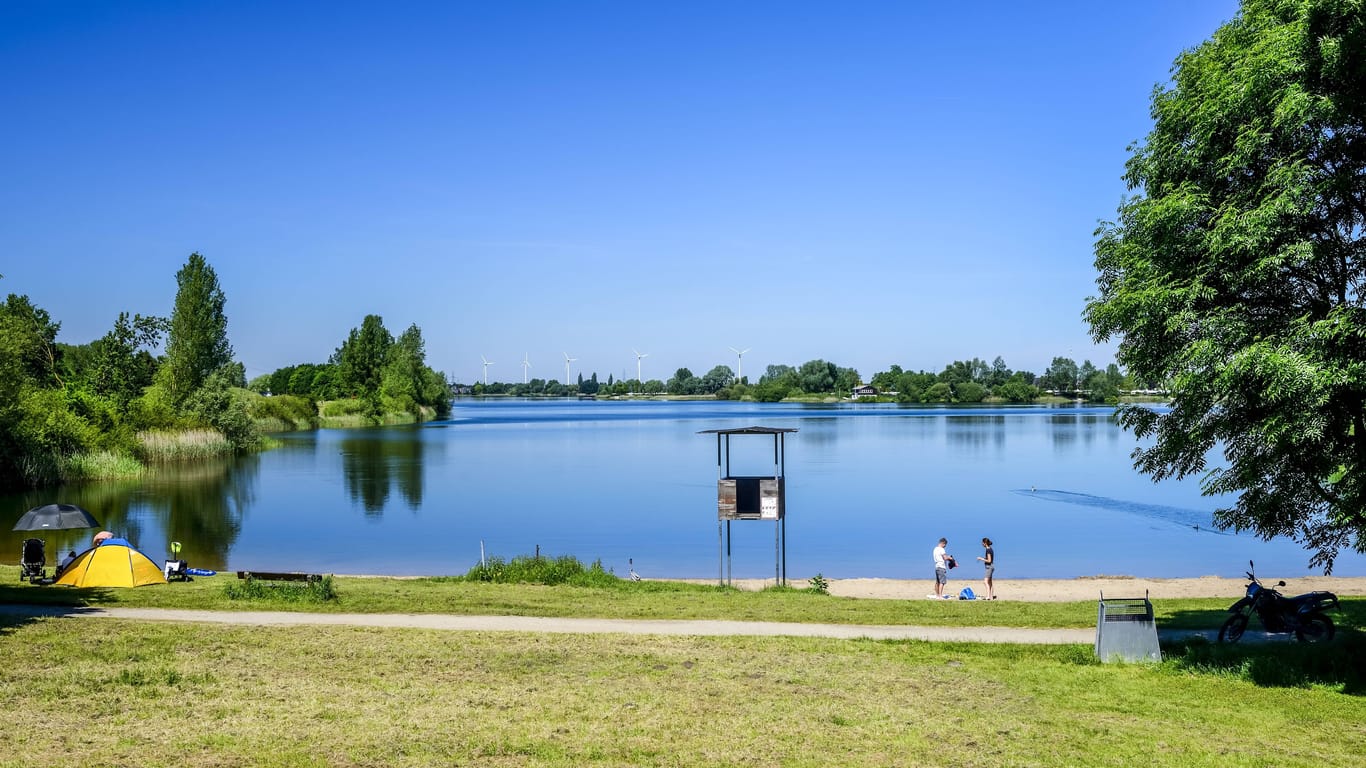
(1302,614)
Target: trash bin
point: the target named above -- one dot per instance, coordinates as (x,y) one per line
(1126,630)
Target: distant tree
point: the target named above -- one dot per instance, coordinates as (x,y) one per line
(31,339)
(969,392)
(817,376)
(911,386)
(683,383)
(1061,375)
(360,363)
(1000,373)
(122,364)
(965,370)
(885,381)
(717,379)
(1085,373)
(1017,390)
(784,373)
(939,392)
(770,390)
(1235,273)
(197,337)
(845,380)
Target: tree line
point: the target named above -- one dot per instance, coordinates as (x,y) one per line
(962,381)
(78,411)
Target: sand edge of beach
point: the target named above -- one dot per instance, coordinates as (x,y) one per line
(1066,590)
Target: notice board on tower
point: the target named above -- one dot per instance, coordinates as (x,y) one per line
(751,497)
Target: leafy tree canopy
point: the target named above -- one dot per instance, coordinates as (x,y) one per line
(197,338)
(1235,272)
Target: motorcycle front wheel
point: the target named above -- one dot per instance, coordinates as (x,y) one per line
(1232,631)
(1316,628)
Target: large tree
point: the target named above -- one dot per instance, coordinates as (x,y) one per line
(197,339)
(360,363)
(1235,272)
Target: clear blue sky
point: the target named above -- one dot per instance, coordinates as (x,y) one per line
(869,183)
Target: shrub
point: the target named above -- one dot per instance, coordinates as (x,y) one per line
(319,591)
(522,569)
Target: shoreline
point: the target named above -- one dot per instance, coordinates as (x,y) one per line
(1076,589)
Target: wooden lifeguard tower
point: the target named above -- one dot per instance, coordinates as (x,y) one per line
(750,497)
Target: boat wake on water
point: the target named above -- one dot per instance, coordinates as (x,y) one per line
(1186,518)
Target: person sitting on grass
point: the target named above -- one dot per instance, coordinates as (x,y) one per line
(66,562)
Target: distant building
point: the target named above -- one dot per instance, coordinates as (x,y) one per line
(865,390)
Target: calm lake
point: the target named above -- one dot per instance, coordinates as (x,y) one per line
(870,488)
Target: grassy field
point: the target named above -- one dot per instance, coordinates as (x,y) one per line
(114,692)
(122,692)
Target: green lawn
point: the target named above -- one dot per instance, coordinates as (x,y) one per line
(626,599)
(114,692)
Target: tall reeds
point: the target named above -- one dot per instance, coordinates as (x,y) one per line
(101,465)
(189,445)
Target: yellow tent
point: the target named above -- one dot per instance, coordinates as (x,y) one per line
(114,563)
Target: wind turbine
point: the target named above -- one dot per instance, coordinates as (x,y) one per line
(739,362)
(487,363)
(526,363)
(567,361)
(638,356)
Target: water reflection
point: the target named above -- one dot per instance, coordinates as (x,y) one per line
(374,462)
(200,505)
(975,434)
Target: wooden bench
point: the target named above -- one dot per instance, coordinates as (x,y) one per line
(279,576)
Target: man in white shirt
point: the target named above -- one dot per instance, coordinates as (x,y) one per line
(941,568)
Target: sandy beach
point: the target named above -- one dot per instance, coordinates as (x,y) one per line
(1065,590)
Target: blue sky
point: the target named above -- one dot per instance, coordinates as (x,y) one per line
(868,183)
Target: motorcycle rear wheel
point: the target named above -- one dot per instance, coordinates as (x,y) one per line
(1232,631)
(1316,628)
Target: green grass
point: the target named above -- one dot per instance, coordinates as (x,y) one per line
(119,692)
(611,597)
(110,691)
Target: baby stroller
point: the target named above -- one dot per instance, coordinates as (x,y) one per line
(33,566)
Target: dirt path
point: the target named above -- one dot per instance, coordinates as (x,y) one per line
(698,627)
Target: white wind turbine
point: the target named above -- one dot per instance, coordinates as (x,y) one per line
(567,361)
(739,362)
(638,357)
(487,363)
(526,363)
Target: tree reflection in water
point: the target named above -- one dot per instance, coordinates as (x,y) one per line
(375,461)
(200,504)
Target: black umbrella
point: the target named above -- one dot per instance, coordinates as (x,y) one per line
(55,517)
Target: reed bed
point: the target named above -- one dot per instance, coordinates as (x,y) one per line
(101,465)
(188,445)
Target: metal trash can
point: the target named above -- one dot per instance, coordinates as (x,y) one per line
(1126,630)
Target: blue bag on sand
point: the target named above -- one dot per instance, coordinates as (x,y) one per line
(967,594)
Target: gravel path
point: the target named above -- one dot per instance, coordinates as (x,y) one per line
(696,627)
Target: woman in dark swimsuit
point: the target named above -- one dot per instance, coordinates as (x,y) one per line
(988,559)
